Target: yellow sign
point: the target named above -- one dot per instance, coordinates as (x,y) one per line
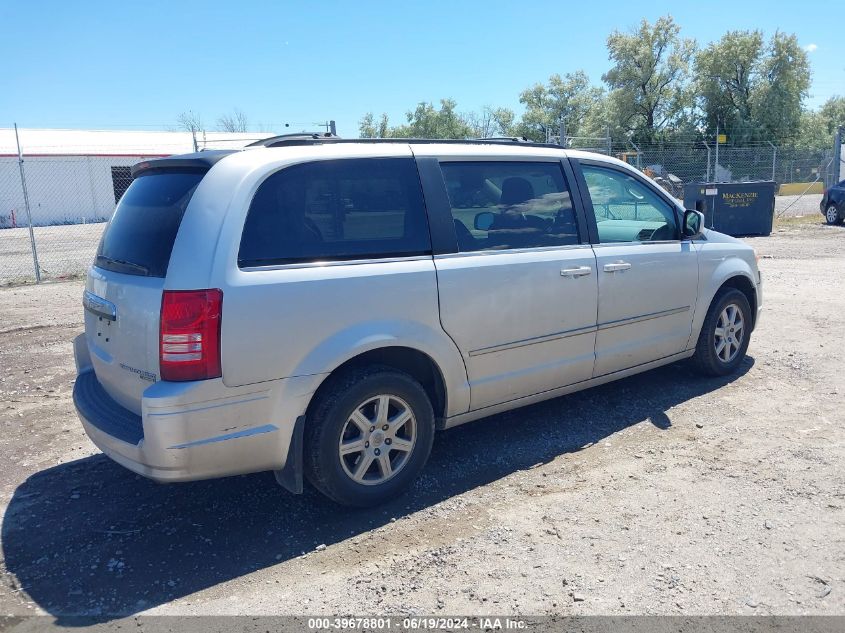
(722,138)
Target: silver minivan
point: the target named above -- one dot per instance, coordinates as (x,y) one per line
(319,307)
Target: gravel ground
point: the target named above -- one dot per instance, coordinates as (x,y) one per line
(794,206)
(664,493)
(63,251)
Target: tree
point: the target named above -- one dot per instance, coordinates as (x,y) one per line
(728,73)
(368,128)
(234,122)
(818,127)
(426,121)
(751,89)
(190,121)
(490,122)
(648,79)
(785,74)
(571,98)
(833,114)
(445,122)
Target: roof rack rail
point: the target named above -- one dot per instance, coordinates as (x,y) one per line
(297,138)
(287,140)
(502,139)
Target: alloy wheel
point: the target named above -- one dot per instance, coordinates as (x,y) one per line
(377,439)
(729,333)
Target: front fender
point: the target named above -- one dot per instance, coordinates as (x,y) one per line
(715,268)
(346,344)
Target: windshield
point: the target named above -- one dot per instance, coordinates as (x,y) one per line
(139,238)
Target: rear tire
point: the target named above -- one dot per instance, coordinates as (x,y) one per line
(832,216)
(368,435)
(725,334)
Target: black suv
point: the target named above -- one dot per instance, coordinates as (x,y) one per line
(833,203)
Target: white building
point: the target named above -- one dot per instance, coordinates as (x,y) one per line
(77,176)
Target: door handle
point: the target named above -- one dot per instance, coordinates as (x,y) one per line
(576,272)
(616,266)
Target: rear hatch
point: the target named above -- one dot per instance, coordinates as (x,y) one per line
(124,287)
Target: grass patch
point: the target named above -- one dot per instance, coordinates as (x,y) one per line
(799,220)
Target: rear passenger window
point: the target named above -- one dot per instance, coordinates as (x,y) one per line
(336,210)
(499,205)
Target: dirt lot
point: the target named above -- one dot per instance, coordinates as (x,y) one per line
(660,494)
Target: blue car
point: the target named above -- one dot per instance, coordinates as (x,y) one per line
(833,203)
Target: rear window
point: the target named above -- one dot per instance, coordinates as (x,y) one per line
(139,238)
(336,210)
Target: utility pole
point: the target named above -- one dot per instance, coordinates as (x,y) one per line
(562,131)
(26,206)
(716,166)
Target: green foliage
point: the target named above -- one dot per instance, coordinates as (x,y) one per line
(369,128)
(786,83)
(571,98)
(727,72)
(648,80)
(490,122)
(833,114)
(817,128)
(659,88)
(427,121)
(751,89)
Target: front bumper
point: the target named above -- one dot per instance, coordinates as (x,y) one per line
(191,430)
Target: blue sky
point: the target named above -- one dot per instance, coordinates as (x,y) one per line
(139,64)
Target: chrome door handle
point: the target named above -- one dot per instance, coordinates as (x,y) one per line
(576,272)
(616,266)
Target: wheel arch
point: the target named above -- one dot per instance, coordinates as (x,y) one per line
(419,349)
(746,287)
(731,273)
(417,364)
(444,390)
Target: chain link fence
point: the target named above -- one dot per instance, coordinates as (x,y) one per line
(56,198)
(676,164)
(71,197)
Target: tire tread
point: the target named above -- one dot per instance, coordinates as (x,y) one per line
(704,360)
(317,426)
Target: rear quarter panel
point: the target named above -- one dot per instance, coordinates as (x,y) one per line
(305,320)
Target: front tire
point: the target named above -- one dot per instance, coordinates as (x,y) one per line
(368,436)
(725,334)
(831,215)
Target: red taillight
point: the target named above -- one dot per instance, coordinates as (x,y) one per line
(189,339)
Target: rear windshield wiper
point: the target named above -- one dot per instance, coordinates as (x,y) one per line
(125,264)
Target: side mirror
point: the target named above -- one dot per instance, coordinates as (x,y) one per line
(484,220)
(693,224)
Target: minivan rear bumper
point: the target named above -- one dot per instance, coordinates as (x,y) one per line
(191,430)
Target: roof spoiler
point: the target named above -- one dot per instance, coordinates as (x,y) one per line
(198,161)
